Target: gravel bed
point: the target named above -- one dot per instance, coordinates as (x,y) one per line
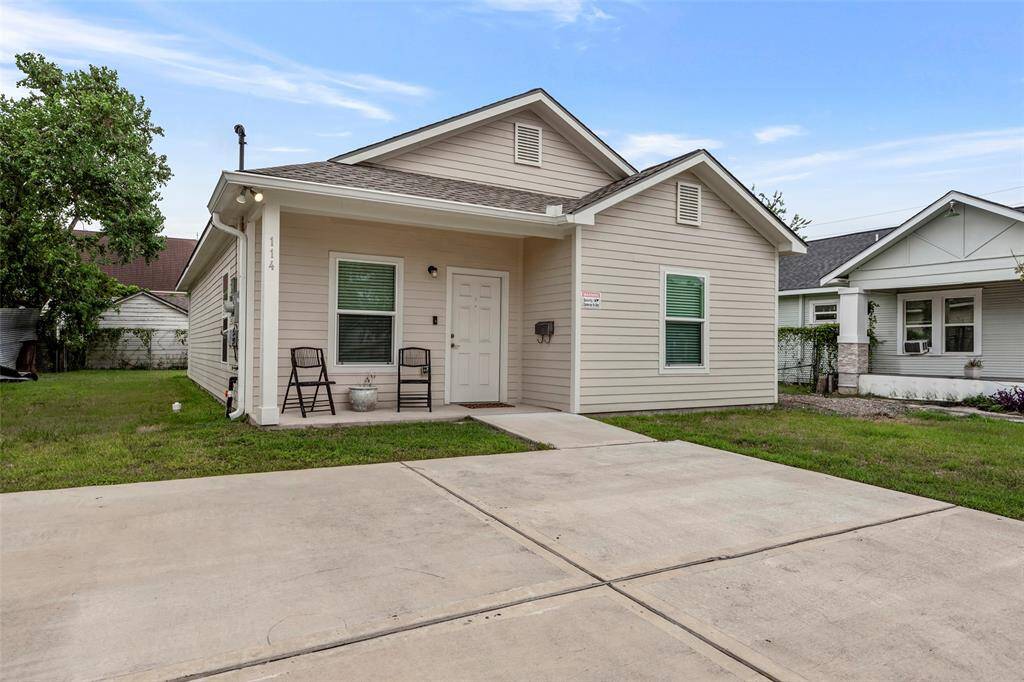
(849,407)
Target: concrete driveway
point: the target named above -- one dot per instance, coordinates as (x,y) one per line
(644,560)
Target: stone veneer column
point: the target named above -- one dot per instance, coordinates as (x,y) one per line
(853,338)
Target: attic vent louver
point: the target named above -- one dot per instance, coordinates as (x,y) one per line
(687,204)
(528,144)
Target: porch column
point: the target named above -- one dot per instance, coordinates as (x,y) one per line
(853,338)
(270,247)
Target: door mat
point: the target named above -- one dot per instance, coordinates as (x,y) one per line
(474,406)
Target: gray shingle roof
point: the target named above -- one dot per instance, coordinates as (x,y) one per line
(805,270)
(414,184)
(619,185)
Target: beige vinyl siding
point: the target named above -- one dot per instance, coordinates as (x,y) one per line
(547,274)
(206,310)
(621,257)
(1002,331)
(306,244)
(486,154)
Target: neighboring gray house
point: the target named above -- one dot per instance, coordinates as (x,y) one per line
(945,291)
(535,263)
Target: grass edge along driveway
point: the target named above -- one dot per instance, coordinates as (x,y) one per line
(970,461)
(99,427)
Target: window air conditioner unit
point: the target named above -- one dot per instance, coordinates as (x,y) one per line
(915,347)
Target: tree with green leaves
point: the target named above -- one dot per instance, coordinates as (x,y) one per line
(75,151)
(777,205)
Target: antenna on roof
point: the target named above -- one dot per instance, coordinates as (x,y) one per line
(240,131)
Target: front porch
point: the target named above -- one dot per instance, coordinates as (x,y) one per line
(292,419)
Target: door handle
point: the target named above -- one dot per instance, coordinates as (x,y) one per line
(455,345)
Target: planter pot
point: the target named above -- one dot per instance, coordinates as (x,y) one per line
(363,398)
(972,372)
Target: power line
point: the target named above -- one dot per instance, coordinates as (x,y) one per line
(901,210)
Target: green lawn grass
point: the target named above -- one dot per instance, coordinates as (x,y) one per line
(970,461)
(100,427)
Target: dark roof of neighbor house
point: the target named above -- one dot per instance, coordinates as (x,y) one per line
(160,274)
(805,270)
(414,184)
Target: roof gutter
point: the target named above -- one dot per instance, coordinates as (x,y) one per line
(243,341)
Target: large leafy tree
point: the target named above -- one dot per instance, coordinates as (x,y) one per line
(777,205)
(75,151)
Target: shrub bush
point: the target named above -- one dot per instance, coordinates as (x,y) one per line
(1010,399)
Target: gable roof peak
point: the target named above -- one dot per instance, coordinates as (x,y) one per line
(537,99)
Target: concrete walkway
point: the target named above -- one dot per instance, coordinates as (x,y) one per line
(561,430)
(637,561)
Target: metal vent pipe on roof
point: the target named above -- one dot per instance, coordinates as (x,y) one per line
(240,131)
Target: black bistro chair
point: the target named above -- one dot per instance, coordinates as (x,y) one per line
(305,357)
(418,359)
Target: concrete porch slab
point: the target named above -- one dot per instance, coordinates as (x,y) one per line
(628,509)
(158,580)
(934,597)
(597,634)
(561,429)
(292,419)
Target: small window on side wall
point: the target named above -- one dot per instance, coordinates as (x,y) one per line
(684,320)
(825,313)
(688,201)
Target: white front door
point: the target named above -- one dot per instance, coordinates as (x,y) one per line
(475,338)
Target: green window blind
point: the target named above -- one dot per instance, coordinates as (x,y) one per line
(366,286)
(684,296)
(683,343)
(365,338)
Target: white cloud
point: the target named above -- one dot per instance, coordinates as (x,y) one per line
(783,178)
(776,133)
(183,58)
(909,152)
(562,11)
(645,149)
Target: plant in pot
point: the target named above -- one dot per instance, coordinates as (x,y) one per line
(972,370)
(363,397)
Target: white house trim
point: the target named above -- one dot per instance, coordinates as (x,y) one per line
(705,332)
(916,221)
(270,308)
(814,290)
(503,276)
(577,318)
(539,101)
(938,299)
(332,307)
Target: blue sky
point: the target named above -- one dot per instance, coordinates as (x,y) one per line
(850,109)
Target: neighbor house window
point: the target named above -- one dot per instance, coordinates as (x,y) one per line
(917,320)
(366,296)
(684,319)
(825,313)
(948,321)
(958,324)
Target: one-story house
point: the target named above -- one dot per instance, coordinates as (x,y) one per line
(534,262)
(148,328)
(943,287)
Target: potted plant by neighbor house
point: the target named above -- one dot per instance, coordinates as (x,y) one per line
(363,397)
(972,370)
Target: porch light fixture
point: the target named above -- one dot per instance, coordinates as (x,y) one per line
(246,192)
(432,271)
(952,212)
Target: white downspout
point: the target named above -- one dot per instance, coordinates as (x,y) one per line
(243,340)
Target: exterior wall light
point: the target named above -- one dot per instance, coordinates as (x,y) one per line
(432,271)
(246,192)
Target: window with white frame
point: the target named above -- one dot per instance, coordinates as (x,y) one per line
(684,319)
(949,322)
(824,313)
(366,295)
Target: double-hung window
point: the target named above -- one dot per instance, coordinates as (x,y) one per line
(826,313)
(684,323)
(366,295)
(949,322)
